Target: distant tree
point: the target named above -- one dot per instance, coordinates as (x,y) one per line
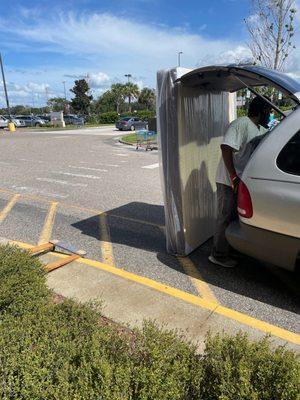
(58,103)
(131,91)
(82,100)
(147,98)
(118,91)
(20,110)
(104,103)
(271,29)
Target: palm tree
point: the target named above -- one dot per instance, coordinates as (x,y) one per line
(147,98)
(131,91)
(118,92)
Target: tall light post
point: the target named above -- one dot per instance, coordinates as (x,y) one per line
(64,83)
(4,85)
(128,76)
(179,54)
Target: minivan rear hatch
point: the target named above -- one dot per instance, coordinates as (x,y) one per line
(232,78)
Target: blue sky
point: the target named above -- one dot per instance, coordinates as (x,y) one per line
(44,43)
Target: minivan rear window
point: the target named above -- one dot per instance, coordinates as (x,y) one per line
(289,157)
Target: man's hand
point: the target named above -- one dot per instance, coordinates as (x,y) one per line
(235,180)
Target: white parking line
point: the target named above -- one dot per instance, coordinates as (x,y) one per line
(37,161)
(5,163)
(36,191)
(151,166)
(61,182)
(121,154)
(80,175)
(88,168)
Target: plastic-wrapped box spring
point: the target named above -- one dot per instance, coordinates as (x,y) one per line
(191,124)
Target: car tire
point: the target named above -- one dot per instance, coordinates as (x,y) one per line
(37,124)
(132,128)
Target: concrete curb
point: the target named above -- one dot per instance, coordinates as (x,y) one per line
(134,144)
(130,299)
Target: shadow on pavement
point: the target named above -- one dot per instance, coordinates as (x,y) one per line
(136,225)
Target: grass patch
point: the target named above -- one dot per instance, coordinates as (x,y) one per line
(59,128)
(65,351)
(132,138)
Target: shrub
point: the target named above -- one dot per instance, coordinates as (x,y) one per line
(145,114)
(108,118)
(236,368)
(22,282)
(92,119)
(65,351)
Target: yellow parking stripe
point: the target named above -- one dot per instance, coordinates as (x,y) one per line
(6,210)
(48,225)
(86,209)
(199,284)
(187,297)
(105,242)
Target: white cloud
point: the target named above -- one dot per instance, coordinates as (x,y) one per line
(121,40)
(98,80)
(119,45)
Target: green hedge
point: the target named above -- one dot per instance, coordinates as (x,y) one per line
(64,351)
(112,117)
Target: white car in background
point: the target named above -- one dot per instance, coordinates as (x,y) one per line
(18,123)
(3,122)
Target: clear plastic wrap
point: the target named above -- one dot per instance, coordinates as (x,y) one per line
(191,124)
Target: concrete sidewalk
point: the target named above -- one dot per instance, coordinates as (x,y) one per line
(130,299)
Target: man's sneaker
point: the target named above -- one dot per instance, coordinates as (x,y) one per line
(223,262)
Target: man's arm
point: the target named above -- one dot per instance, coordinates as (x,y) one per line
(227,154)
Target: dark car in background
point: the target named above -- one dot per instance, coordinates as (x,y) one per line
(71,119)
(130,124)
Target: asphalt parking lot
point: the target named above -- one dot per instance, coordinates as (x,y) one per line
(87,189)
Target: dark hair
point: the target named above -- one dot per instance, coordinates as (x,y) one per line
(257,106)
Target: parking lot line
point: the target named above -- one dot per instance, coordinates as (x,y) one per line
(88,168)
(83,176)
(105,241)
(151,166)
(189,298)
(199,284)
(6,210)
(48,225)
(85,209)
(62,182)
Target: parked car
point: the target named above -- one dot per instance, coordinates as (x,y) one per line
(269,199)
(130,124)
(45,118)
(3,122)
(30,120)
(73,120)
(268,227)
(18,123)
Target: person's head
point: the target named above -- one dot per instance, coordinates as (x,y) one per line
(260,110)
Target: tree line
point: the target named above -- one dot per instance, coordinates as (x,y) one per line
(120,98)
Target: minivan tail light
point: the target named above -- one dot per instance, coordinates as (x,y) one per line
(245,207)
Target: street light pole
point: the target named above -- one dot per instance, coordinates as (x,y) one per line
(128,76)
(64,83)
(4,85)
(179,54)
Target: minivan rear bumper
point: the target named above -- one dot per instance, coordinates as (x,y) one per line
(271,247)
